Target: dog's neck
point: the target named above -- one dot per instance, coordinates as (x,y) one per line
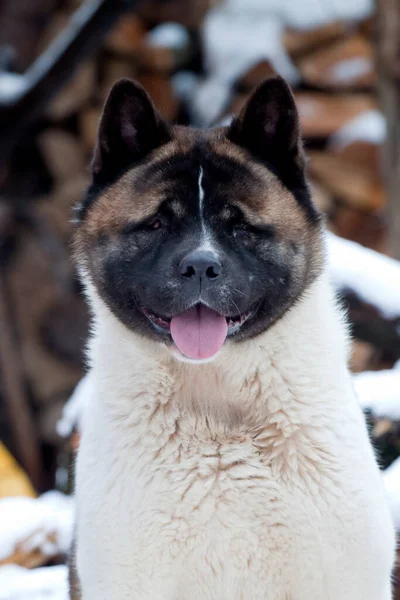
(296,366)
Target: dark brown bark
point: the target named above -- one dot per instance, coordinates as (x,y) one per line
(54,67)
(21,26)
(19,414)
(388,63)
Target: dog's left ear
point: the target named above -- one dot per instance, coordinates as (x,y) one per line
(268,125)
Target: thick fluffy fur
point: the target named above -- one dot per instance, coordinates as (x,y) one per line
(250,477)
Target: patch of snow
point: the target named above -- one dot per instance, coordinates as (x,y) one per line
(29,521)
(306,14)
(73,409)
(237,34)
(370,126)
(168,35)
(47,583)
(12,86)
(346,70)
(209,101)
(234,42)
(184,85)
(374,277)
(379,391)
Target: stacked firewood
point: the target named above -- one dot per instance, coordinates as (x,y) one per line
(163,44)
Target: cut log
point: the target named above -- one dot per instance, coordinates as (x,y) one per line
(21,28)
(15,394)
(388,53)
(366,154)
(24,98)
(323,114)
(190,14)
(126,36)
(345,64)
(27,554)
(35,530)
(362,356)
(40,276)
(298,42)
(367,28)
(366,228)
(89,123)
(75,94)
(114,69)
(63,154)
(161,91)
(166,48)
(369,325)
(355,184)
(254,76)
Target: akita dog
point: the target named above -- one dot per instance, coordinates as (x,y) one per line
(224,455)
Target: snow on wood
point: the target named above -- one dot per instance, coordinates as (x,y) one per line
(345,63)
(168,35)
(370,126)
(323,114)
(260,38)
(374,277)
(304,14)
(350,69)
(28,524)
(379,391)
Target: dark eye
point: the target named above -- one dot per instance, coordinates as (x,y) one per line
(151,224)
(241,231)
(154,224)
(245,231)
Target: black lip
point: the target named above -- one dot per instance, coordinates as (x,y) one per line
(162,323)
(234,322)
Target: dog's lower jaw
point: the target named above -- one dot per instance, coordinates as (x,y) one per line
(249,477)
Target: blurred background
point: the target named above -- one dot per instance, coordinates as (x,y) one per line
(198,59)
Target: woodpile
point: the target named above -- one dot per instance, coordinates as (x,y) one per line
(160,45)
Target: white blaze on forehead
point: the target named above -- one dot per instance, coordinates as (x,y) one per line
(206,238)
(201,199)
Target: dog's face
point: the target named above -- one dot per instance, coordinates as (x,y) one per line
(193,238)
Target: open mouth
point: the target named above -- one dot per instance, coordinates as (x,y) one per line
(199,332)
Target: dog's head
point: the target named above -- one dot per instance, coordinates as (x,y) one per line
(193,238)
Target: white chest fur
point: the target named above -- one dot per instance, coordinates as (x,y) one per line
(248,478)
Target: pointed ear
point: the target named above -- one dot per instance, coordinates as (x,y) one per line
(130,128)
(268,125)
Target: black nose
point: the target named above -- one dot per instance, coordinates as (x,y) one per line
(200,264)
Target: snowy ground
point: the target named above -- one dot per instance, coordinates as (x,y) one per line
(27,524)
(47,583)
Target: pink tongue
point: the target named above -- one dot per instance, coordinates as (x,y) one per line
(199,332)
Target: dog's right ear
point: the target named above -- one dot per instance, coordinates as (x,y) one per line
(130,128)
